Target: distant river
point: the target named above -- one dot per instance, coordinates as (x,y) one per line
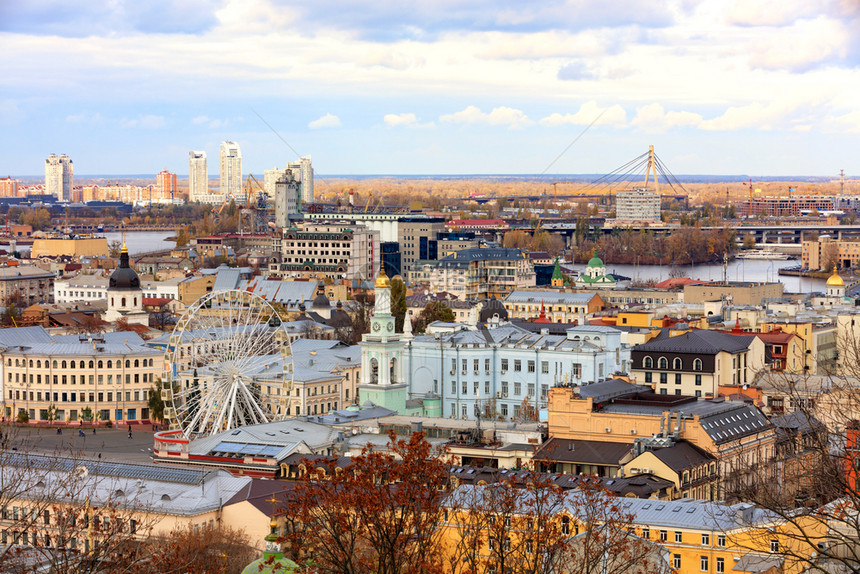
(143,241)
(737,270)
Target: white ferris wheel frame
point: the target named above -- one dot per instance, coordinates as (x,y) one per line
(227,397)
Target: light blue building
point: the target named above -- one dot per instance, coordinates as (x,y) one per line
(496,366)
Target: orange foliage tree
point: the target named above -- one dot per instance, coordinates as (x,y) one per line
(377,514)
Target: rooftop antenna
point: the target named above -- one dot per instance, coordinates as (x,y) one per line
(841,181)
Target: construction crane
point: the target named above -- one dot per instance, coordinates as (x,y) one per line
(376,202)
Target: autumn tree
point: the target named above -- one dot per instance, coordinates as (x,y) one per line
(61,515)
(377,514)
(222,550)
(398,302)
(809,489)
(433,311)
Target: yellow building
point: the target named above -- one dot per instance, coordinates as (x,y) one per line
(82,247)
(130,501)
(738,435)
(695,536)
(103,377)
(819,343)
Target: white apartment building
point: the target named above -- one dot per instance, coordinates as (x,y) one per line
(303,174)
(478,273)
(641,204)
(231,169)
(288,197)
(339,250)
(59,177)
(198,176)
(94,288)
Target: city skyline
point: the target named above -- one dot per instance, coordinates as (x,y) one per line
(472,88)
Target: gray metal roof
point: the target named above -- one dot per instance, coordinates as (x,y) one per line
(723,421)
(607,390)
(549,297)
(698,341)
(226,278)
(23,336)
(172,491)
(687,513)
(286,435)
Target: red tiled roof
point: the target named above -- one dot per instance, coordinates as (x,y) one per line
(485,222)
(676,282)
(155,301)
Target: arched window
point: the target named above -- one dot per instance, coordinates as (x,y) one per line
(135,301)
(64,364)
(648,362)
(31,363)
(123,301)
(92,365)
(136,363)
(676,364)
(101,364)
(55,364)
(38,364)
(663,363)
(127,364)
(110,365)
(697,364)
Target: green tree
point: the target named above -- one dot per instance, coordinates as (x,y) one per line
(115,247)
(434,311)
(398,302)
(182,237)
(155,402)
(23,417)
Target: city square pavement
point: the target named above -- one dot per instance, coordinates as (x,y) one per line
(111,444)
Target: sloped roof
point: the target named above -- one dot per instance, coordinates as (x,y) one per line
(698,341)
(683,455)
(583,451)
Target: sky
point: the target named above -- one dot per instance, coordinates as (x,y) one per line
(759,87)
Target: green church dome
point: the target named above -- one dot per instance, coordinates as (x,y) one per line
(595,262)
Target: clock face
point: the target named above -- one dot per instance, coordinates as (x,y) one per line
(390,327)
(376,326)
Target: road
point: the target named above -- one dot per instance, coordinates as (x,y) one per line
(111,444)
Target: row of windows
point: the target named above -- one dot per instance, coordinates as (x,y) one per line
(82,379)
(663,363)
(518,389)
(71,397)
(37,364)
(664,378)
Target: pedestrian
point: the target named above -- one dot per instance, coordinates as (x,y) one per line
(59,430)
(94,430)
(129,433)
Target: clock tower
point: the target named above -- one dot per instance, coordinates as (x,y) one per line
(382,380)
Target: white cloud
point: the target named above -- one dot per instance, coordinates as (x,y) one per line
(653,118)
(146,122)
(400,119)
(210,122)
(801,46)
(755,116)
(501,116)
(589,112)
(408,120)
(769,13)
(84,117)
(327,121)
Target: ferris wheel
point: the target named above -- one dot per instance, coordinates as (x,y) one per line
(229,364)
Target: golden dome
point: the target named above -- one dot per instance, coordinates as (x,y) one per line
(382,281)
(835,280)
